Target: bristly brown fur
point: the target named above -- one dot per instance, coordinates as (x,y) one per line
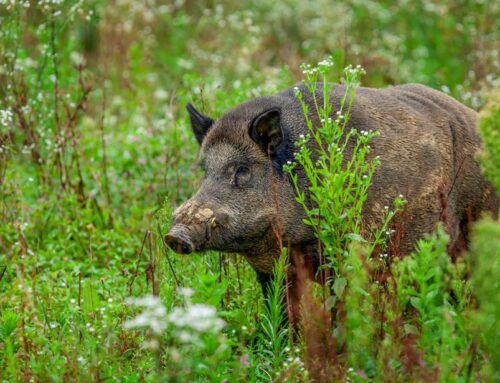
(427,141)
(427,147)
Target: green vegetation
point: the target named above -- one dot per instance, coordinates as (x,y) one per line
(96,151)
(395,319)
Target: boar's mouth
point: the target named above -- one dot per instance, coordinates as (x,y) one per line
(198,227)
(183,240)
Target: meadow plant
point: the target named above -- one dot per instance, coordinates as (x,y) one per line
(485,321)
(188,338)
(485,245)
(94,138)
(152,317)
(274,342)
(489,126)
(388,315)
(338,182)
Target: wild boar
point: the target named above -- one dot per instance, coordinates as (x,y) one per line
(246,203)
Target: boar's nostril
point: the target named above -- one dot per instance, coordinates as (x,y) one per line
(179,245)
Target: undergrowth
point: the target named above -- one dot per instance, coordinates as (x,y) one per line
(95,153)
(393,319)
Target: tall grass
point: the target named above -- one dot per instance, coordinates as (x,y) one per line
(94,141)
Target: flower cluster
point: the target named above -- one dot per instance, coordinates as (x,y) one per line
(153,316)
(354,71)
(323,67)
(328,63)
(10,4)
(186,323)
(5,117)
(193,320)
(309,70)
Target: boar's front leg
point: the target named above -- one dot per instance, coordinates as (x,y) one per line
(301,270)
(265,281)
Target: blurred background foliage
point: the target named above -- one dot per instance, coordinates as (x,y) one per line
(94,140)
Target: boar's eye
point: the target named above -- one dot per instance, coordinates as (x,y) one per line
(242,175)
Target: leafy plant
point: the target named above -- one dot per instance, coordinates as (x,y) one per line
(273,335)
(94,139)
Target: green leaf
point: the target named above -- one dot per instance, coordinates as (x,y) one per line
(330,302)
(90,297)
(410,329)
(339,286)
(355,237)
(415,302)
(8,324)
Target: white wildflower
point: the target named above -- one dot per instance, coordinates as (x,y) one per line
(152,317)
(198,317)
(161,94)
(152,344)
(186,292)
(5,117)
(77,58)
(328,63)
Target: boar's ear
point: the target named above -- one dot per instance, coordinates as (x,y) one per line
(199,123)
(266,131)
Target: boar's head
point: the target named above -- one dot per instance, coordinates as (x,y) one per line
(245,204)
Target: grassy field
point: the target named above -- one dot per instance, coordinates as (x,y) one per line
(96,152)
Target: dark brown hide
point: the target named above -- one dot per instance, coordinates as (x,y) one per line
(427,146)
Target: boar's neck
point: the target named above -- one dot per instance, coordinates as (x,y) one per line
(262,262)
(263,255)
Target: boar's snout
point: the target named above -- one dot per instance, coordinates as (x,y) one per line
(178,240)
(194,227)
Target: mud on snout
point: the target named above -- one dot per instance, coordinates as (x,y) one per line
(194,227)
